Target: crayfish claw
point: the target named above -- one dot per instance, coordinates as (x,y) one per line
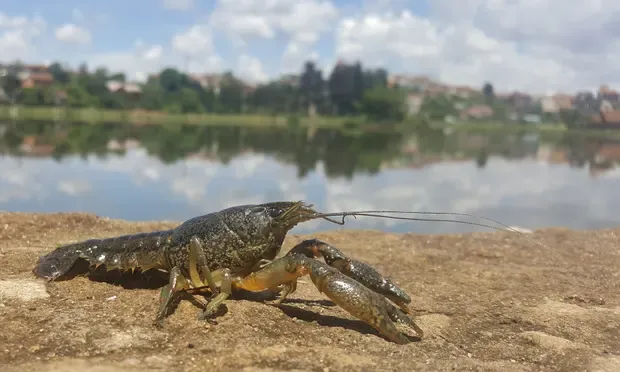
(354,297)
(358,270)
(362,302)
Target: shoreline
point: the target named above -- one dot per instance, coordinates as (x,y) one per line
(142,117)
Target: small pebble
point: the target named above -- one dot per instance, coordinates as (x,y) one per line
(34,348)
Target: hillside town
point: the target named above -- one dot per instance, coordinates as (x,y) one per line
(601,109)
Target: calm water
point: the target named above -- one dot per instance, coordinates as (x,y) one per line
(154,173)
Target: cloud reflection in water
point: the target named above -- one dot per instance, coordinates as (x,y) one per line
(137,186)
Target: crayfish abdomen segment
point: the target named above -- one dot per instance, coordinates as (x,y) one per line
(126,252)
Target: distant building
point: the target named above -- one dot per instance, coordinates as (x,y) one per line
(611,95)
(520,102)
(132,90)
(462,91)
(553,104)
(208,81)
(413,103)
(564,101)
(289,79)
(477,112)
(606,106)
(586,103)
(37,79)
(605,120)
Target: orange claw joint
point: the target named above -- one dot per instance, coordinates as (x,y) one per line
(353,296)
(360,271)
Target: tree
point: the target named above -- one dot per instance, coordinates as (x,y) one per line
(375,78)
(311,87)
(273,98)
(59,73)
(10,84)
(488,92)
(152,96)
(120,77)
(571,118)
(32,97)
(77,96)
(437,108)
(170,79)
(231,94)
(189,101)
(383,104)
(345,88)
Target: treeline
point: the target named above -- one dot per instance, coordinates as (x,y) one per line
(348,90)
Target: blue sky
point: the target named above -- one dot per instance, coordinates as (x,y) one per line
(513,43)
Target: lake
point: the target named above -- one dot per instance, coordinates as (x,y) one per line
(151,172)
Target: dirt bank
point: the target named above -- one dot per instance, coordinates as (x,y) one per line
(486,301)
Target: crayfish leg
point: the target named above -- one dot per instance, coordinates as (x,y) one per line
(225,279)
(197,260)
(168,293)
(287,289)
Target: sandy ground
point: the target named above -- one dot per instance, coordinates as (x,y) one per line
(486,301)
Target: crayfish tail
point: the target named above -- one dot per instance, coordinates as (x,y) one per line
(126,252)
(58,262)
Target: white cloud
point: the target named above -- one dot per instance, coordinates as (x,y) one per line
(295,55)
(194,186)
(195,41)
(74,187)
(303,21)
(373,37)
(514,44)
(153,53)
(135,63)
(178,4)
(18,35)
(250,69)
(14,43)
(73,34)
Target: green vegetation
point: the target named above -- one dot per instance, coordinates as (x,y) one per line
(496,126)
(348,92)
(353,124)
(94,115)
(350,97)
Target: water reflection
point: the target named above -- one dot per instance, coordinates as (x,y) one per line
(176,172)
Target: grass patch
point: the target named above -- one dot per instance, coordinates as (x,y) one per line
(142,117)
(290,121)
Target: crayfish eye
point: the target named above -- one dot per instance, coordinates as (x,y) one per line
(275,212)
